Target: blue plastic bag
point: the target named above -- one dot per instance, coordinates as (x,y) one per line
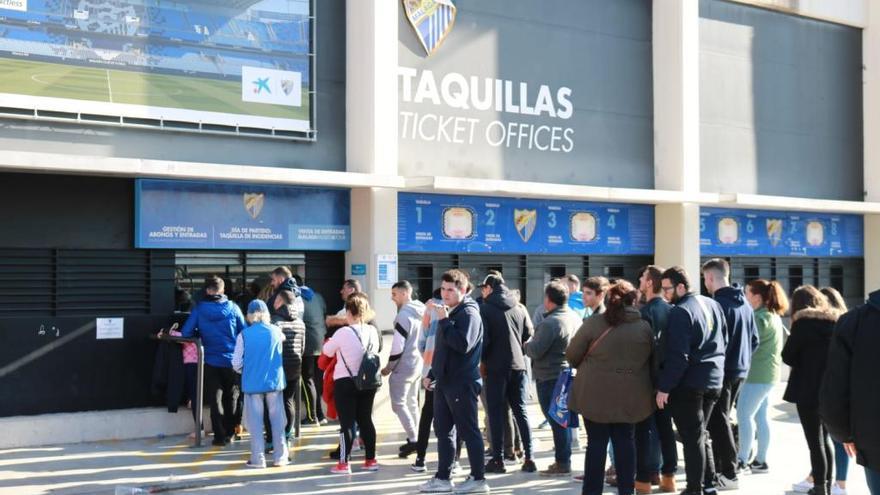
(559,403)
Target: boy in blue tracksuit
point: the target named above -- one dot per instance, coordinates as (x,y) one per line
(458,347)
(693,373)
(218,321)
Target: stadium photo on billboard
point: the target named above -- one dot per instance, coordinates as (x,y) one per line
(232,63)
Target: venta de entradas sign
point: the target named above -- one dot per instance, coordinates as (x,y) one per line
(462,102)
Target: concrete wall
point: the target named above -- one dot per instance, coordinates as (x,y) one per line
(780,99)
(328,153)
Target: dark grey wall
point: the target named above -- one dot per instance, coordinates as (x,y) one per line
(780,104)
(601,49)
(328,153)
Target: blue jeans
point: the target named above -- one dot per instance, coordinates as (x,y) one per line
(873,479)
(751,411)
(253,403)
(561,436)
(623,442)
(841,461)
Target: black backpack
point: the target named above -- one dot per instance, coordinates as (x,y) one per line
(369,376)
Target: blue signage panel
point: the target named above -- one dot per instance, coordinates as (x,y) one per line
(729,232)
(457,224)
(211,215)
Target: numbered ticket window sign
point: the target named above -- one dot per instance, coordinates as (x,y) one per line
(479,224)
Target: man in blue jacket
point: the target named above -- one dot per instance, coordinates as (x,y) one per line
(218,321)
(458,347)
(742,340)
(693,373)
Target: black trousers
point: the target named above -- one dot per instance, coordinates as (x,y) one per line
(425,421)
(668,444)
(455,417)
(220,390)
(313,386)
(691,410)
(355,405)
(508,391)
(819,443)
(724,446)
(621,437)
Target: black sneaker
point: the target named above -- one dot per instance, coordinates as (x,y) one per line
(759,467)
(219,442)
(496,466)
(334,454)
(418,466)
(407,449)
(742,468)
(529,466)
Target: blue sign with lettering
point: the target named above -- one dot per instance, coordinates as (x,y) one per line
(729,232)
(475,224)
(212,215)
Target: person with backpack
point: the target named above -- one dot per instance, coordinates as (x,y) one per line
(356,379)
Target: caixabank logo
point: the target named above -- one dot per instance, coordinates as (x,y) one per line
(432,21)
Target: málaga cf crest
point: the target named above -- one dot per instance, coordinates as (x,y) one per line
(253,203)
(432,20)
(525,222)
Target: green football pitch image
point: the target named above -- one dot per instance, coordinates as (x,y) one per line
(33,78)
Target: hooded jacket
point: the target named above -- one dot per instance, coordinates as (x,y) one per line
(294,331)
(458,346)
(848,399)
(742,331)
(218,321)
(508,327)
(405,359)
(289,284)
(695,345)
(314,311)
(806,351)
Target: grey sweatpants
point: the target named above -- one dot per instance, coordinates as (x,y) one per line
(404,392)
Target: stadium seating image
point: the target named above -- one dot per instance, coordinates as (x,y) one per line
(149,35)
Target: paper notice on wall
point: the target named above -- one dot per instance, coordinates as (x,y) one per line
(109,328)
(386,271)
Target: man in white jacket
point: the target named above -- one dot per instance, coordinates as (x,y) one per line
(405,363)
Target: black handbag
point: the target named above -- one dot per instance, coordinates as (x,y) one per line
(369,376)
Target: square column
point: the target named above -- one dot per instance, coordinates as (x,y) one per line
(676,56)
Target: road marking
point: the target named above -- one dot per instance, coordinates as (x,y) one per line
(109,89)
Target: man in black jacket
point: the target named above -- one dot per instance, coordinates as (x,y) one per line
(455,375)
(507,328)
(848,399)
(742,341)
(693,373)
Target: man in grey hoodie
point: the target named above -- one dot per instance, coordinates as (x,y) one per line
(405,363)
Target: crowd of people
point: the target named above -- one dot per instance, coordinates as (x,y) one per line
(639,368)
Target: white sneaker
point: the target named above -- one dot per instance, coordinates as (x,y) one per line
(436,485)
(471,485)
(802,487)
(455,468)
(726,484)
(837,490)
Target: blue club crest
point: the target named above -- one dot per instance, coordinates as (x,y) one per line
(432,21)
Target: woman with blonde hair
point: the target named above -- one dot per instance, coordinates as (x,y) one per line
(349,344)
(806,351)
(770,303)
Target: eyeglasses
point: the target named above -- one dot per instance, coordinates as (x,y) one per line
(667,289)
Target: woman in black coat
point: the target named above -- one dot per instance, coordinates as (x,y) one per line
(806,351)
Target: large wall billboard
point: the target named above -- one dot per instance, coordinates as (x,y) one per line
(237,63)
